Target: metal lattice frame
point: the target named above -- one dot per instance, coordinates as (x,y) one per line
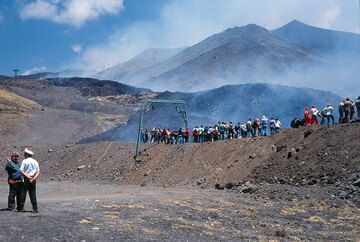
(180,106)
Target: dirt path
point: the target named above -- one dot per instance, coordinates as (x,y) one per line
(86,211)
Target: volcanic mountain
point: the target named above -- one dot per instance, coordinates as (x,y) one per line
(319,40)
(141,61)
(239,54)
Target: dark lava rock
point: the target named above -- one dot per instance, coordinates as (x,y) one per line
(219,187)
(201,181)
(356,183)
(279,148)
(248,188)
(230,185)
(280,233)
(307,133)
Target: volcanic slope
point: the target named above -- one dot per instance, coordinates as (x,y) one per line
(147,58)
(228,103)
(240,54)
(305,156)
(308,156)
(63,110)
(317,39)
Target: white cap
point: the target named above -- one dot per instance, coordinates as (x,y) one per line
(27,151)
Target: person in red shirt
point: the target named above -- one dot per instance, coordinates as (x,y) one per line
(186,135)
(307,116)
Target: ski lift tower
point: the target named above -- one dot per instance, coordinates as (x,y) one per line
(16,71)
(180,106)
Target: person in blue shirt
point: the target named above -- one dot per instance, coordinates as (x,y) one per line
(16,184)
(264,125)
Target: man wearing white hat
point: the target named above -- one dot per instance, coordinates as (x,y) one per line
(30,169)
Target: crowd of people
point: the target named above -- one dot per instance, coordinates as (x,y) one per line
(349,111)
(219,131)
(252,128)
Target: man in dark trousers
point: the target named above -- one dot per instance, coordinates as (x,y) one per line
(16,184)
(31,171)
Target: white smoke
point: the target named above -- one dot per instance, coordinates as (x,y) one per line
(186,22)
(34,70)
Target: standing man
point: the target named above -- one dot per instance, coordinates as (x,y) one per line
(347,110)
(31,171)
(264,124)
(16,184)
(328,113)
(272,123)
(341,112)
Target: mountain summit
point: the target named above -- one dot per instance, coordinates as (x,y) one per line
(239,54)
(318,39)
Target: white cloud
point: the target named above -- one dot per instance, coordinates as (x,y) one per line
(34,70)
(186,22)
(72,12)
(77,48)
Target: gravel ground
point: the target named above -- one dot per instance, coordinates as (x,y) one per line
(88,211)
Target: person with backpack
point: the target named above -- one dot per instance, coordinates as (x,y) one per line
(243,130)
(256,127)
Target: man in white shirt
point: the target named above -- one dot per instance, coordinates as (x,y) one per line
(30,169)
(328,113)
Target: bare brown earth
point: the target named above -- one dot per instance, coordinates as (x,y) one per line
(326,156)
(300,184)
(44,112)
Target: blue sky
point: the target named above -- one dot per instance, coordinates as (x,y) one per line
(52,35)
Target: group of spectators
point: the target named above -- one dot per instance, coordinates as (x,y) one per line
(252,128)
(347,110)
(219,131)
(347,113)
